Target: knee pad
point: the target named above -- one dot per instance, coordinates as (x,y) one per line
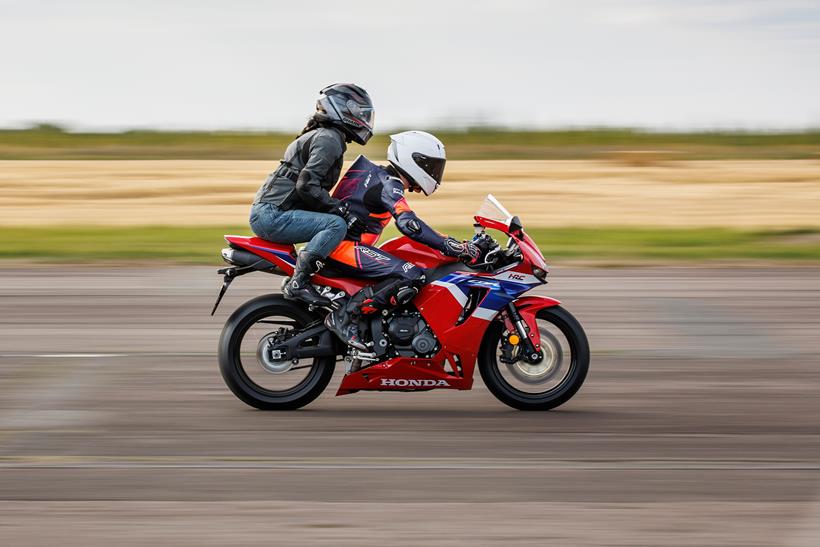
(385,294)
(405,294)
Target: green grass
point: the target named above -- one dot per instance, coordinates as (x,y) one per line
(52,142)
(607,245)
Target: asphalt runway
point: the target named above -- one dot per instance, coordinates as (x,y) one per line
(698,424)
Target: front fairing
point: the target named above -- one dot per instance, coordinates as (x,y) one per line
(530,251)
(495,216)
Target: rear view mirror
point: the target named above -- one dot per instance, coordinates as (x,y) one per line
(515,225)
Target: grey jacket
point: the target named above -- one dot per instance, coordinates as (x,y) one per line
(310,168)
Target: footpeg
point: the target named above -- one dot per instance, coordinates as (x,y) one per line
(356,358)
(335,297)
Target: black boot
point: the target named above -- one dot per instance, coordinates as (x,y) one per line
(299,287)
(343,322)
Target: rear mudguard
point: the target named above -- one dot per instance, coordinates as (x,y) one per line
(528,307)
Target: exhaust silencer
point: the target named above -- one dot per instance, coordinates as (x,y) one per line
(242,258)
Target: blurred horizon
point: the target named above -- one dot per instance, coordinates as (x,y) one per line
(49,141)
(79,128)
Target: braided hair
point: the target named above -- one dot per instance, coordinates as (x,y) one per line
(312,124)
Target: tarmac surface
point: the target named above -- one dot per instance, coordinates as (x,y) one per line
(698,424)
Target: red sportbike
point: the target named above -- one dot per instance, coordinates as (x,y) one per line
(276,354)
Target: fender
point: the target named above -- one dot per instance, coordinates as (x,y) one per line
(528,307)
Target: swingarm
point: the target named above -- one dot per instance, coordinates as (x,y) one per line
(287,345)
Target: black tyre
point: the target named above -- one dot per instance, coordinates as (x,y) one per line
(251,374)
(543,385)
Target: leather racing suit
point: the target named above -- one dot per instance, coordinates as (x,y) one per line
(374,194)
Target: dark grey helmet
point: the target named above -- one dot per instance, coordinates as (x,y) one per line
(348,107)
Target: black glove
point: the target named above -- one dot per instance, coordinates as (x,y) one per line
(465,251)
(355,225)
(340,209)
(484,242)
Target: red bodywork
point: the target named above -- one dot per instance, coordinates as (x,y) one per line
(453,366)
(284,256)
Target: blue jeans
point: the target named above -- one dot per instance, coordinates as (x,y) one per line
(322,231)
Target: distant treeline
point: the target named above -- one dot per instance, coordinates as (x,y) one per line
(50,142)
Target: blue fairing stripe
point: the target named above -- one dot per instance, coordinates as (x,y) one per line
(281,254)
(499,294)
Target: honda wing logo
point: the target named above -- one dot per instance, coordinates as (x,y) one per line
(402,382)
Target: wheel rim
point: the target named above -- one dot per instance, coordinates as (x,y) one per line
(545,376)
(265,356)
(260,368)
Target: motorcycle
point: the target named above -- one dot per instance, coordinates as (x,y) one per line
(276,354)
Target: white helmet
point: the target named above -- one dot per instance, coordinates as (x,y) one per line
(419,157)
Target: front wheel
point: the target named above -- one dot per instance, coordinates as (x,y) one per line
(540,385)
(248,361)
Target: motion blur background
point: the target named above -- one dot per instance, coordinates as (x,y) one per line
(664,154)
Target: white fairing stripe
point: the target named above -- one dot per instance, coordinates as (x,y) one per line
(460,297)
(484,313)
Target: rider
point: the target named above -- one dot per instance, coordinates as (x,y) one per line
(375,193)
(294,205)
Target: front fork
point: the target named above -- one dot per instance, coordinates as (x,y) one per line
(527,335)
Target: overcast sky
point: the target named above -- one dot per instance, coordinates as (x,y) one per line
(672,64)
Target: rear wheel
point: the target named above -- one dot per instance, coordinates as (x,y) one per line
(543,383)
(247,362)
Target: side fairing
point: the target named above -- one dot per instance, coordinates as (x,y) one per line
(459,308)
(494,292)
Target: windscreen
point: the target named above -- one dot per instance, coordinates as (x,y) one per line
(492,209)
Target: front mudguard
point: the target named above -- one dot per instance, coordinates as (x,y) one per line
(528,307)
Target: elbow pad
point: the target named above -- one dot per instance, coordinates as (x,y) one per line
(310,190)
(413,227)
(408,224)
(303,185)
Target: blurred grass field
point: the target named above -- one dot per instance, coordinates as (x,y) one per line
(610,246)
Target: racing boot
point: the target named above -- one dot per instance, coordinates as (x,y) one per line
(299,286)
(344,321)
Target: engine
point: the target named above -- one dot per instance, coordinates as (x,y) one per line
(410,334)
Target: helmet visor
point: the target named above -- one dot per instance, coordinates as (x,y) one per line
(363,113)
(432,166)
(352,113)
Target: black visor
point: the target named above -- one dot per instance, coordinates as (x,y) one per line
(432,166)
